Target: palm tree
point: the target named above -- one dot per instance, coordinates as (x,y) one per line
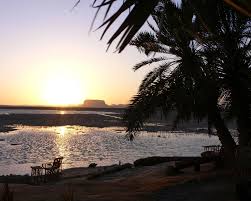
(182,81)
(140,10)
(229,42)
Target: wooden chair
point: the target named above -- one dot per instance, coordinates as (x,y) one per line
(36,174)
(53,169)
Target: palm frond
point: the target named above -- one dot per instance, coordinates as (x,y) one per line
(160,73)
(146,100)
(243,6)
(148,43)
(142,9)
(75,5)
(148,62)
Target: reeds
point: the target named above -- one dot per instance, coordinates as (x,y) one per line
(6,193)
(68,194)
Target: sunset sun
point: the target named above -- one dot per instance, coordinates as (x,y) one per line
(63,90)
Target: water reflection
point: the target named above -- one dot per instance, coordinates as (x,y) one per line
(61,131)
(81,146)
(61,142)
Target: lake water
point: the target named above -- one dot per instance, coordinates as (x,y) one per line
(81,146)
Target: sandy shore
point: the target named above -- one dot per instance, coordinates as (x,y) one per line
(149,183)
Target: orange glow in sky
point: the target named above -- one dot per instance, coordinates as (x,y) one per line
(48,57)
(62,89)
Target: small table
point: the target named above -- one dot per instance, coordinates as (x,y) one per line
(37,174)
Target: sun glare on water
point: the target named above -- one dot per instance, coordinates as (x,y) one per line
(62,89)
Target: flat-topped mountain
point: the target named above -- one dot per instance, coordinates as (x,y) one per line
(95,104)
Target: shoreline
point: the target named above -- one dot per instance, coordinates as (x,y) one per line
(141,162)
(74,108)
(88,120)
(8,122)
(146,183)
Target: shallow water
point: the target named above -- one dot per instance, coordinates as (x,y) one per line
(81,146)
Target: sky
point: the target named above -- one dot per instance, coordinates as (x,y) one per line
(48,57)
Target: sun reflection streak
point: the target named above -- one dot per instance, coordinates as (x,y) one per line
(61,141)
(62,131)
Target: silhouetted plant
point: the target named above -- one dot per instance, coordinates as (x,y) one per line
(223,18)
(195,67)
(227,49)
(140,10)
(68,194)
(6,193)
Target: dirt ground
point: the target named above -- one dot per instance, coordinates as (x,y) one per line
(140,184)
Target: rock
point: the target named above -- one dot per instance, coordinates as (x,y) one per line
(126,165)
(14,144)
(151,161)
(110,170)
(16,179)
(172,171)
(209,154)
(92,165)
(95,104)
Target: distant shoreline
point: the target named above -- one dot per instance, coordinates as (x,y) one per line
(77,108)
(10,121)
(89,120)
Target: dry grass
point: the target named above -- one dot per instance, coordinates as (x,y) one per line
(68,194)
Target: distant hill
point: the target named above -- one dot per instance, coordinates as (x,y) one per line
(101,104)
(118,106)
(95,104)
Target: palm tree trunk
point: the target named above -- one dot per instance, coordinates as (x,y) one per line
(241,101)
(244,121)
(224,135)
